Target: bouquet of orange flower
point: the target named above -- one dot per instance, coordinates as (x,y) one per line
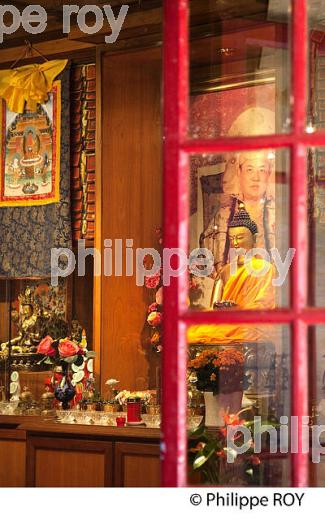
(219,370)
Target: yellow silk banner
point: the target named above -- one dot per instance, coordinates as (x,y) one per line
(28,86)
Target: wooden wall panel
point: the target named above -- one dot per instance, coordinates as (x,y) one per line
(131,202)
(137,465)
(73,463)
(12,462)
(72,469)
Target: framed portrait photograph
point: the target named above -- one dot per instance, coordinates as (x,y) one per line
(234,106)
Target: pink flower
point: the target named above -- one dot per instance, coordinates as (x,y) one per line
(152,281)
(68,348)
(154,319)
(45,347)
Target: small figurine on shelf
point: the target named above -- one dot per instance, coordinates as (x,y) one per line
(110,405)
(47,403)
(76,331)
(29,326)
(25,401)
(112,392)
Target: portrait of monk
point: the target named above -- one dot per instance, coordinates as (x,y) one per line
(249,178)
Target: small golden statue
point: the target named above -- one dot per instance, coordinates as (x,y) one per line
(29,326)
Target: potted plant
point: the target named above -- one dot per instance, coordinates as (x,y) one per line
(219,373)
(208,453)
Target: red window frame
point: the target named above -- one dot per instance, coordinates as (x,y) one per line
(177,148)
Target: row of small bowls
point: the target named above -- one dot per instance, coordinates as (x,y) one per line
(109,419)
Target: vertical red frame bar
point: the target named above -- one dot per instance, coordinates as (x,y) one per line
(299,240)
(176,208)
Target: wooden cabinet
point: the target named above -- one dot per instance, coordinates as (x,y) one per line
(38,453)
(12,458)
(137,465)
(61,462)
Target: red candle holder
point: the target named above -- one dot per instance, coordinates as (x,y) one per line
(133,409)
(120,422)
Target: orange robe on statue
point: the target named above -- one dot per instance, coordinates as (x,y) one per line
(250,292)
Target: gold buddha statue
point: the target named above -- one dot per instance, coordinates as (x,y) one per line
(28,324)
(250,287)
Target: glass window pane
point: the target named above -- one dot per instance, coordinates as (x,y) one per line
(239,68)
(239,220)
(316,226)
(316,107)
(227,384)
(317,399)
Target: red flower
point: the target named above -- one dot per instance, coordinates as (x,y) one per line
(198,447)
(152,281)
(154,319)
(255,460)
(45,347)
(221,454)
(231,420)
(68,348)
(153,307)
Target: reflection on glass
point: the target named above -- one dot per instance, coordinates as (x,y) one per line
(240,68)
(241,383)
(316,226)
(317,393)
(316,109)
(239,220)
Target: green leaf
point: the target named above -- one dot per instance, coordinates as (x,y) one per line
(199,431)
(70,359)
(199,461)
(90,354)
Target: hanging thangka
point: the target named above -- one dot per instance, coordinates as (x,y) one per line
(34,168)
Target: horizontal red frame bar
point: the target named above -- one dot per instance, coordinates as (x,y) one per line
(227,144)
(308,316)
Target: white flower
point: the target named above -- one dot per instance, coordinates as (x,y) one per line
(111,382)
(126,394)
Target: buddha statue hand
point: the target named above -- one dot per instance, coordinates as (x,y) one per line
(224,304)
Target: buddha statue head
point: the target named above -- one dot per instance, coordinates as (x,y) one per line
(242,230)
(27,303)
